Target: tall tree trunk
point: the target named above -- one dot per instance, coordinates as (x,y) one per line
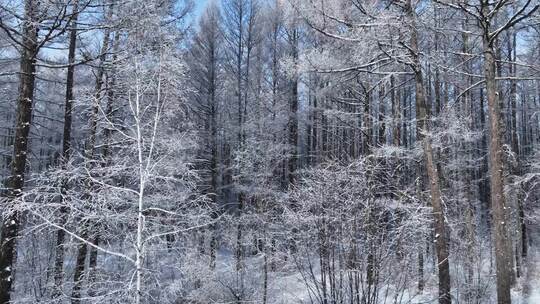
(405,119)
(381,138)
(441,238)
(516,168)
(396,112)
(239,53)
(265,268)
(514,141)
(293,112)
(214,150)
(66,146)
(483,184)
(503,252)
(423,128)
(421,279)
(15,183)
(82,250)
(468,173)
(109,112)
(366,123)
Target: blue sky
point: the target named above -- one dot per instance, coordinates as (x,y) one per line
(199,6)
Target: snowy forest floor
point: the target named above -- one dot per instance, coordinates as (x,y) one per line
(289,287)
(531,281)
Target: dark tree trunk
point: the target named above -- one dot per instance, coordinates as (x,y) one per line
(503,251)
(15,183)
(107,133)
(484,183)
(66,146)
(293,114)
(82,250)
(214,148)
(366,124)
(423,128)
(396,112)
(381,138)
